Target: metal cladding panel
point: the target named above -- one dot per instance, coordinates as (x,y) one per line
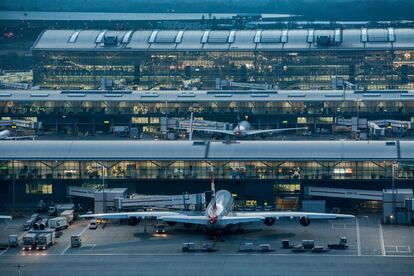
(191,40)
(297,40)
(243,41)
(218,37)
(162,46)
(139,40)
(351,39)
(166,37)
(85,40)
(407,150)
(404,38)
(54,39)
(271,36)
(100,150)
(216,46)
(302,150)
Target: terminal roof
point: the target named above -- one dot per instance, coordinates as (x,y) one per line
(206,95)
(288,40)
(209,151)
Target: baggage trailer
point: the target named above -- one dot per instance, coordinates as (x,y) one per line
(58,223)
(68,214)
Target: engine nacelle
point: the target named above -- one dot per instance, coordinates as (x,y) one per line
(304,221)
(134,221)
(269,221)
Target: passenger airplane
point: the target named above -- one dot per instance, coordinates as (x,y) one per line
(6,135)
(244,128)
(219,214)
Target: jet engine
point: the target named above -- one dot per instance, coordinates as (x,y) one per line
(134,221)
(35,226)
(304,221)
(42,224)
(269,221)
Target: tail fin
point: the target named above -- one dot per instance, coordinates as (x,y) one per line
(213,187)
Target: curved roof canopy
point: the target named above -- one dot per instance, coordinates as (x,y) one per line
(226,40)
(187,150)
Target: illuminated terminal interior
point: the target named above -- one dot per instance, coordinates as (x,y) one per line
(48,167)
(79,111)
(368,58)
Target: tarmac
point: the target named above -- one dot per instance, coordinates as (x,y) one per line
(115,248)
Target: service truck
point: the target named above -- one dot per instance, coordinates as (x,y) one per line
(29,241)
(57,209)
(45,240)
(68,214)
(58,223)
(30,222)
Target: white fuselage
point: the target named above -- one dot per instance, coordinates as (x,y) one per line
(220,205)
(4,134)
(242,128)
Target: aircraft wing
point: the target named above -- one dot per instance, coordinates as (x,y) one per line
(254,132)
(5,217)
(200,220)
(126,215)
(219,131)
(241,219)
(293,215)
(19,138)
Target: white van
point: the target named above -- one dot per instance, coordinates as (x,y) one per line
(93,225)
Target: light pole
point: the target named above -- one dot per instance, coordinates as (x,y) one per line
(103,186)
(103,189)
(394,164)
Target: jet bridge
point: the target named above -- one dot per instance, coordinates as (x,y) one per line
(343,193)
(184,201)
(118,199)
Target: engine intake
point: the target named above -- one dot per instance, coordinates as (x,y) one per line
(304,221)
(134,221)
(269,221)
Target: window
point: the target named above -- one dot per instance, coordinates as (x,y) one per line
(36,188)
(139,120)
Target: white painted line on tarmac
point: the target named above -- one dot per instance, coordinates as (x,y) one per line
(64,250)
(80,234)
(358,236)
(219,254)
(83,230)
(398,249)
(4,251)
(381,236)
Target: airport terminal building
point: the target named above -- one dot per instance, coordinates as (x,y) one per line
(369,58)
(252,171)
(78,112)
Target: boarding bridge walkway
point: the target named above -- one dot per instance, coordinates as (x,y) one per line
(344,193)
(118,199)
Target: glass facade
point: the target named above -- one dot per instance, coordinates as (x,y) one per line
(141,170)
(367,69)
(92,116)
(152,111)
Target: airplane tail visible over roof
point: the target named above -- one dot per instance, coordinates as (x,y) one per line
(213,187)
